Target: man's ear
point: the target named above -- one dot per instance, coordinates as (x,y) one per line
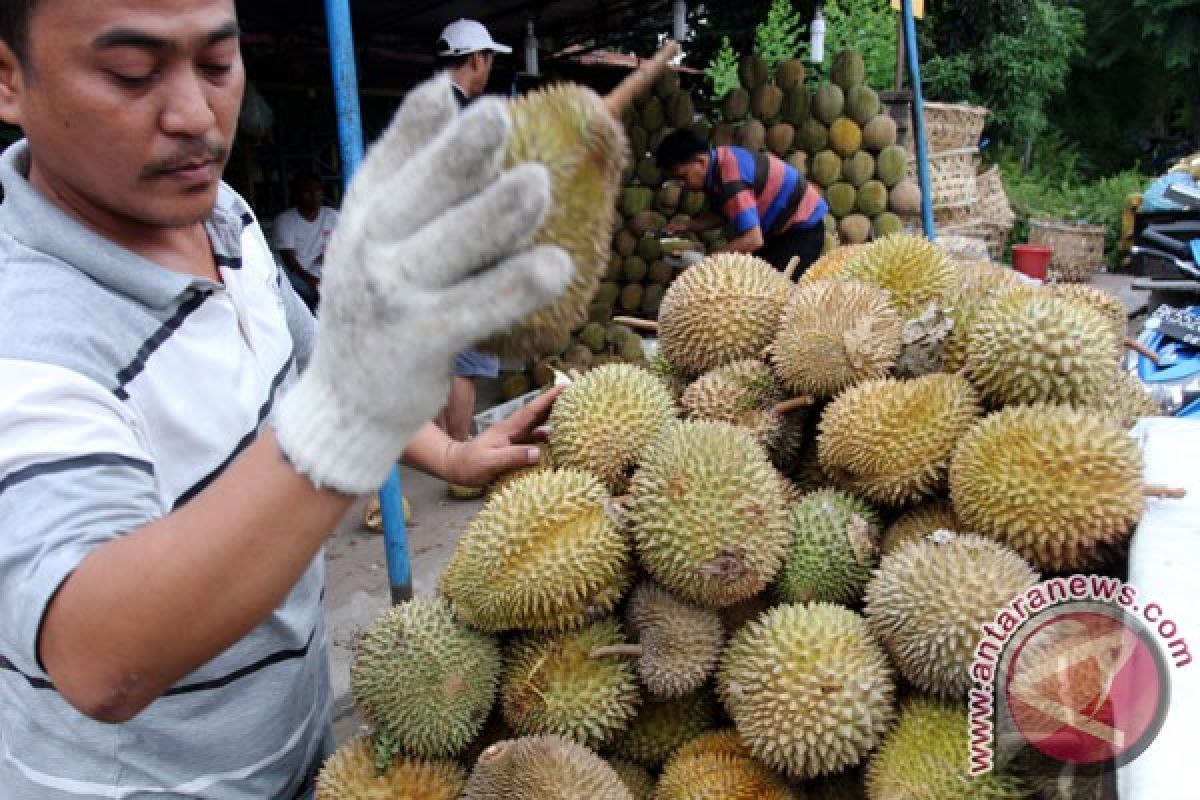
(12,85)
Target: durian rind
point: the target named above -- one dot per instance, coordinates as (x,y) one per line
(912,268)
(834,548)
(681,642)
(745,394)
(542,767)
(663,726)
(717,776)
(350,774)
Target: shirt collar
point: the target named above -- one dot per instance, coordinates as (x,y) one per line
(40,225)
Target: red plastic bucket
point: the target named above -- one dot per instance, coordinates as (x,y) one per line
(1032,259)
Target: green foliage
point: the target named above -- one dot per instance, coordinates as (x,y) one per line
(949,78)
(868,27)
(781,36)
(722,72)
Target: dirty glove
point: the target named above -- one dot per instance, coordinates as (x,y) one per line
(432,253)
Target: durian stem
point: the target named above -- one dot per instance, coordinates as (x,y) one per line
(640,80)
(1167,492)
(633,650)
(792,266)
(635,322)
(1138,347)
(795,404)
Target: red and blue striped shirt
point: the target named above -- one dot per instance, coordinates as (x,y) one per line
(761,189)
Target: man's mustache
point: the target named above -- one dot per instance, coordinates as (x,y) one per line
(195,151)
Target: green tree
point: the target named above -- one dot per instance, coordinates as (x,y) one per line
(722,71)
(782,35)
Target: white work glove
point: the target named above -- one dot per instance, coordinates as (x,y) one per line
(431,254)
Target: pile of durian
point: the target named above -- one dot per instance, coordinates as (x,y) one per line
(759,567)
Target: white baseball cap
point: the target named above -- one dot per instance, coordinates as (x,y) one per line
(466,36)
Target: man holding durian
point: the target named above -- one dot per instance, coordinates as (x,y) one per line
(771,210)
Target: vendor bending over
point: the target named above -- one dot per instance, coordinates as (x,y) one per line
(773,211)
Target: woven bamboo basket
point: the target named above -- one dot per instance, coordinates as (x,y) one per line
(1078,249)
(990,236)
(993,201)
(951,126)
(951,178)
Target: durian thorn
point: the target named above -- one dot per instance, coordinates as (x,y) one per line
(636,322)
(632,650)
(791,267)
(1167,492)
(794,404)
(1141,349)
(640,80)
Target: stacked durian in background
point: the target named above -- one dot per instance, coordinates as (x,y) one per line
(758,567)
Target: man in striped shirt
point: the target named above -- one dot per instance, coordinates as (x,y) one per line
(177,438)
(771,210)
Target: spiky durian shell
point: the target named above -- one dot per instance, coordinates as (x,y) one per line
(543,767)
(604,421)
(350,774)
(891,441)
(674,380)
(930,599)
(809,689)
(552,684)
(912,268)
(744,393)
(543,554)
(545,463)
(708,514)
(832,264)
(423,680)
(1109,307)
(637,779)
(1056,484)
(835,545)
(681,642)
(963,311)
(978,277)
(925,758)
(724,309)
(719,776)
(662,726)
(1128,401)
(1027,346)
(917,523)
(719,742)
(834,334)
(567,129)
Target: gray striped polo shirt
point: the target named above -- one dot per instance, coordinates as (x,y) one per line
(125,389)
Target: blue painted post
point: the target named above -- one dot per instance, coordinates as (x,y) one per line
(914,78)
(350,137)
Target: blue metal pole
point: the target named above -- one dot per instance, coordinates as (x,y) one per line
(914,78)
(350,138)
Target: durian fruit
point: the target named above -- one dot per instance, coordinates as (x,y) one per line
(828,103)
(350,774)
(845,137)
(1128,401)
(424,681)
(543,554)
(858,168)
(827,168)
(790,74)
(1112,309)
(924,340)
(905,197)
(724,742)
(753,71)
(540,768)
(779,138)
(835,546)
(835,334)
(919,522)
(854,228)
(912,268)
(553,684)
(735,105)
(543,464)
(1026,346)
(678,644)
(841,198)
(831,264)
(603,422)
(879,133)
(708,514)
(872,198)
(637,779)
(891,165)
(862,104)
(662,726)
(752,135)
(716,776)
(744,393)
(813,136)
(979,277)
(891,441)
(723,309)
(926,756)
(808,688)
(578,136)
(766,101)
(848,69)
(672,379)
(886,224)
(930,599)
(631,297)
(1056,484)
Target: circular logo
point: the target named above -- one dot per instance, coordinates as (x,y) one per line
(1086,684)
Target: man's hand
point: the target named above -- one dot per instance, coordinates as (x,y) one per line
(677,228)
(433,252)
(503,447)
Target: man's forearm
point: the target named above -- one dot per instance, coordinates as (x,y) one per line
(706,221)
(292,263)
(145,610)
(431,450)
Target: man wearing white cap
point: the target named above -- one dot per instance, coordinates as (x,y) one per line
(466,51)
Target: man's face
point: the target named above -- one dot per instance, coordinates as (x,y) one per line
(130,106)
(692,172)
(482,70)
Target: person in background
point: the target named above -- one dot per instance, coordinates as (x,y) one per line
(771,210)
(301,235)
(466,52)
